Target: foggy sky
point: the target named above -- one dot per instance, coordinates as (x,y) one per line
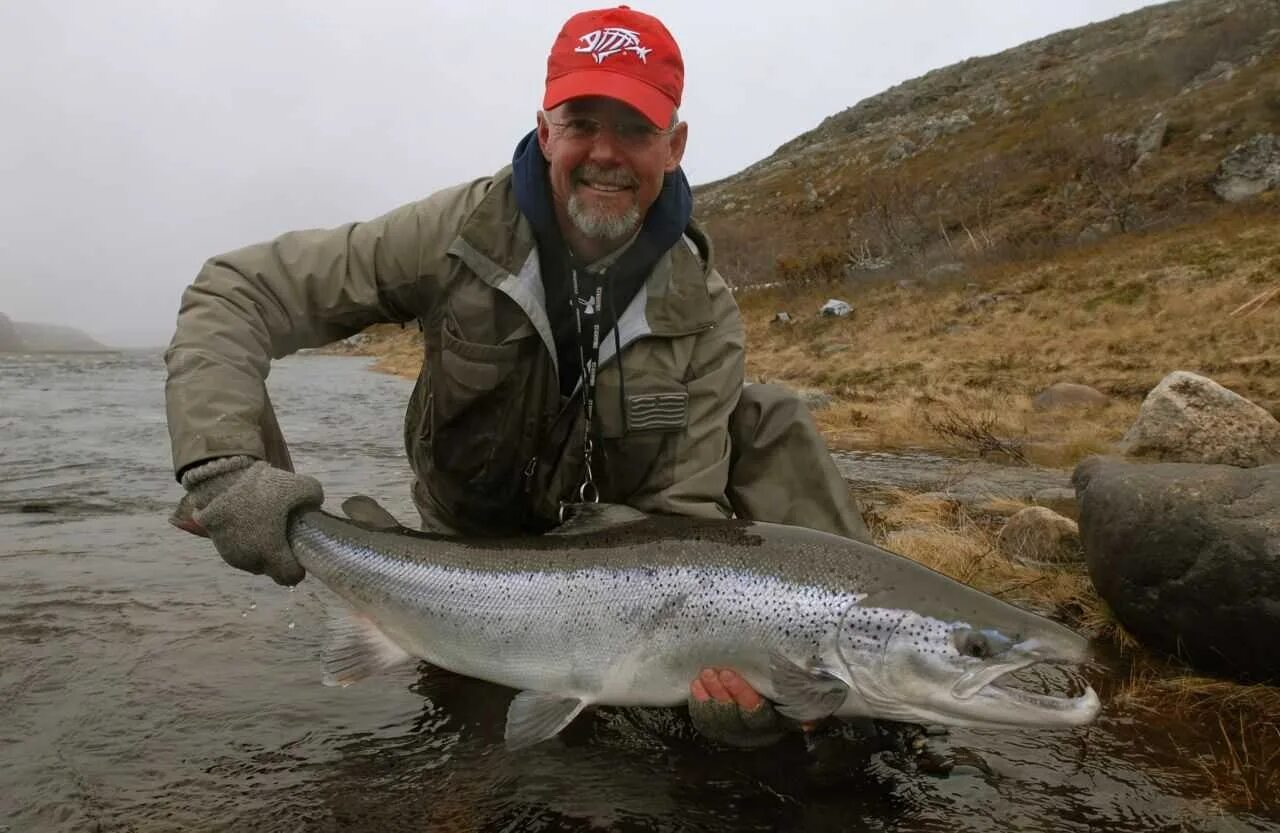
(139,138)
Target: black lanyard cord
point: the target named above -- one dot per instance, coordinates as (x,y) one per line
(588,306)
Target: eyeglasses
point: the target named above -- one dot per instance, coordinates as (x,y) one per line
(636,134)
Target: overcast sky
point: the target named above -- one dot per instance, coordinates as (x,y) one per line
(139,138)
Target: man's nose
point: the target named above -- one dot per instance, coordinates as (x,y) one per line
(605,147)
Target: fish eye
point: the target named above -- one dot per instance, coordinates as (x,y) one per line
(981,644)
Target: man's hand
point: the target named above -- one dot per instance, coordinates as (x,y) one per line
(244,505)
(725,708)
(725,686)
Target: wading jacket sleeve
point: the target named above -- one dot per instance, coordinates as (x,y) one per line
(303,289)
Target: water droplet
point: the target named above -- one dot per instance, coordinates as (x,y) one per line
(244,615)
(291,626)
(253,606)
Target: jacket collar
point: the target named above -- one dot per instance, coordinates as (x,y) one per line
(499,242)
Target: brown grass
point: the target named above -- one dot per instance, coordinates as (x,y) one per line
(961,543)
(1117,316)
(1238,727)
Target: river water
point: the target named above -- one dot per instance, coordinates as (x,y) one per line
(147,686)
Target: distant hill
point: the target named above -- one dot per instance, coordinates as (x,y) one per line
(10,341)
(20,336)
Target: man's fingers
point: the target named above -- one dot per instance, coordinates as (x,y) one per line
(710,679)
(740,690)
(699,691)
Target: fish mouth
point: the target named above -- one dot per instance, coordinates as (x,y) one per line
(1046,685)
(1033,686)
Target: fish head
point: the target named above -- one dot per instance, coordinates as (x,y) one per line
(960,670)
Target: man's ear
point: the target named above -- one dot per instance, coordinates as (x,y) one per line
(679,137)
(544,132)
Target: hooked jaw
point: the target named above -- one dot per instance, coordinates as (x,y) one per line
(960,676)
(990,697)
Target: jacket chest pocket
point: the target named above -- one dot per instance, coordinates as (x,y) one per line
(482,403)
(641,429)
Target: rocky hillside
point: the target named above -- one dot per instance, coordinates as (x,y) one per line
(1112,128)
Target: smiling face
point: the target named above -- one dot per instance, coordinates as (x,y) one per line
(606,164)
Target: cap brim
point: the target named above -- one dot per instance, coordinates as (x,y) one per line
(652,103)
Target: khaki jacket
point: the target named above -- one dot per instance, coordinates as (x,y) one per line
(494,445)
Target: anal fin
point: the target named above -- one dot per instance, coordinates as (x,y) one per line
(534,716)
(805,693)
(356,649)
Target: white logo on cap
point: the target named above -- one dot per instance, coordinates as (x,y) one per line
(602,43)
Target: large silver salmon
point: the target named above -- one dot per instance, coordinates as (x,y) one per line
(620,608)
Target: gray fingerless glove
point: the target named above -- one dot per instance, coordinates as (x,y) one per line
(244,504)
(731,725)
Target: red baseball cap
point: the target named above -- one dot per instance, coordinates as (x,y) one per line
(617,53)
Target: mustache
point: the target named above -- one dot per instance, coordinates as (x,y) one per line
(605,176)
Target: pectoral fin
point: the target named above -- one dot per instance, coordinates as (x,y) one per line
(534,716)
(356,649)
(805,693)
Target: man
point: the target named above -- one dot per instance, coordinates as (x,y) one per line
(529,395)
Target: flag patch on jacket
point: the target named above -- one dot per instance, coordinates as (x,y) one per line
(657,411)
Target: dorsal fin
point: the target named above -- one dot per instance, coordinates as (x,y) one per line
(585,518)
(365,510)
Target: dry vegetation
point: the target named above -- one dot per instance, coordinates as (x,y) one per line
(1117,315)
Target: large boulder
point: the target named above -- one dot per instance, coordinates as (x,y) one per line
(1188,418)
(1188,558)
(1249,169)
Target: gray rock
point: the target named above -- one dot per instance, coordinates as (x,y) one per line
(1041,538)
(900,148)
(1095,232)
(1188,418)
(981,302)
(835,307)
(1153,136)
(1187,556)
(814,398)
(781,318)
(973,483)
(1249,169)
(1220,70)
(945,270)
(1064,395)
(1061,499)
